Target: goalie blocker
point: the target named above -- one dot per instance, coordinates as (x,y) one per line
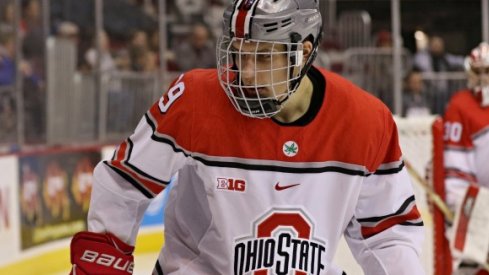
(100,253)
(470,240)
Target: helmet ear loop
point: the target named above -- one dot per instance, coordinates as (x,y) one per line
(295,38)
(295,59)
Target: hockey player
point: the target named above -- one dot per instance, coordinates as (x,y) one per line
(276,160)
(467,156)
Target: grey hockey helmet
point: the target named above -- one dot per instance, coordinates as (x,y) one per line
(477,67)
(260,53)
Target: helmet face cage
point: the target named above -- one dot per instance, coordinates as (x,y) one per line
(477,67)
(258,76)
(260,54)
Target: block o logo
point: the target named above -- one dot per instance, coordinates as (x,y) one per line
(282,241)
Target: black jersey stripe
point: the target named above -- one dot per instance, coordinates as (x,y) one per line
(276,168)
(266,167)
(480,133)
(412,223)
(457,148)
(459,171)
(390,171)
(131,180)
(259,167)
(139,171)
(401,210)
(158,269)
(162,139)
(143,174)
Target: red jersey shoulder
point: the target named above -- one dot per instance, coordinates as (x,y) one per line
(466,117)
(358,123)
(187,99)
(195,86)
(348,96)
(463,99)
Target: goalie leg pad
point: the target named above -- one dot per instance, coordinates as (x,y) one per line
(470,240)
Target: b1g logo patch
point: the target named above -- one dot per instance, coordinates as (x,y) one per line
(231,184)
(282,242)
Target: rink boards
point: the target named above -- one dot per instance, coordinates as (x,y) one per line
(41,206)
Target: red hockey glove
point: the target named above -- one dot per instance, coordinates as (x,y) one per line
(95,253)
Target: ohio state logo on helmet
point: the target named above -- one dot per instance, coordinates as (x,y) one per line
(282,242)
(241,19)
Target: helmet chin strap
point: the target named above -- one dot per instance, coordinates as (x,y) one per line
(254,109)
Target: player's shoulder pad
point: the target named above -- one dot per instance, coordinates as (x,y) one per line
(188,97)
(371,126)
(187,92)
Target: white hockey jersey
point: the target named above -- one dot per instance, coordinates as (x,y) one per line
(254,196)
(466,145)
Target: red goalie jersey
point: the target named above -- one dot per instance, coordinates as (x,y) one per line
(466,145)
(256,196)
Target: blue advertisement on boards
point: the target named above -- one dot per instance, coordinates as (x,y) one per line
(155,214)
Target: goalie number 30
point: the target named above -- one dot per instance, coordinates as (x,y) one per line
(173,93)
(453,131)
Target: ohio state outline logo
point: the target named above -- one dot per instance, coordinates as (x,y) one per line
(282,243)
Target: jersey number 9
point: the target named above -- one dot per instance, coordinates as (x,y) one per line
(173,93)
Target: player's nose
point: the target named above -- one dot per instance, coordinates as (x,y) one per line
(248,70)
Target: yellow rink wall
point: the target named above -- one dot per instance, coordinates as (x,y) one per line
(58,260)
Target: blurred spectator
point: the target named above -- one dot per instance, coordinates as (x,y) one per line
(143,60)
(32,93)
(150,62)
(33,43)
(122,60)
(31,14)
(7,61)
(197,52)
(119,16)
(139,39)
(213,16)
(69,30)
(138,46)
(7,18)
(107,63)
(382,72)
(154,41)
(435,59)
(8,65)
(8,120)
(416,100)
(383,39)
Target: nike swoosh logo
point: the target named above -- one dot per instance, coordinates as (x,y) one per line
(279,187)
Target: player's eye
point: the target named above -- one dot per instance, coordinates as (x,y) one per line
(264,56)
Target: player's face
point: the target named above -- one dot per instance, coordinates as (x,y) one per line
(263,67)
(478,77)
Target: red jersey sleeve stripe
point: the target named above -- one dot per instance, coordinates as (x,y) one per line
(458,174)
(407,219)
(136,177)
(407,214)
